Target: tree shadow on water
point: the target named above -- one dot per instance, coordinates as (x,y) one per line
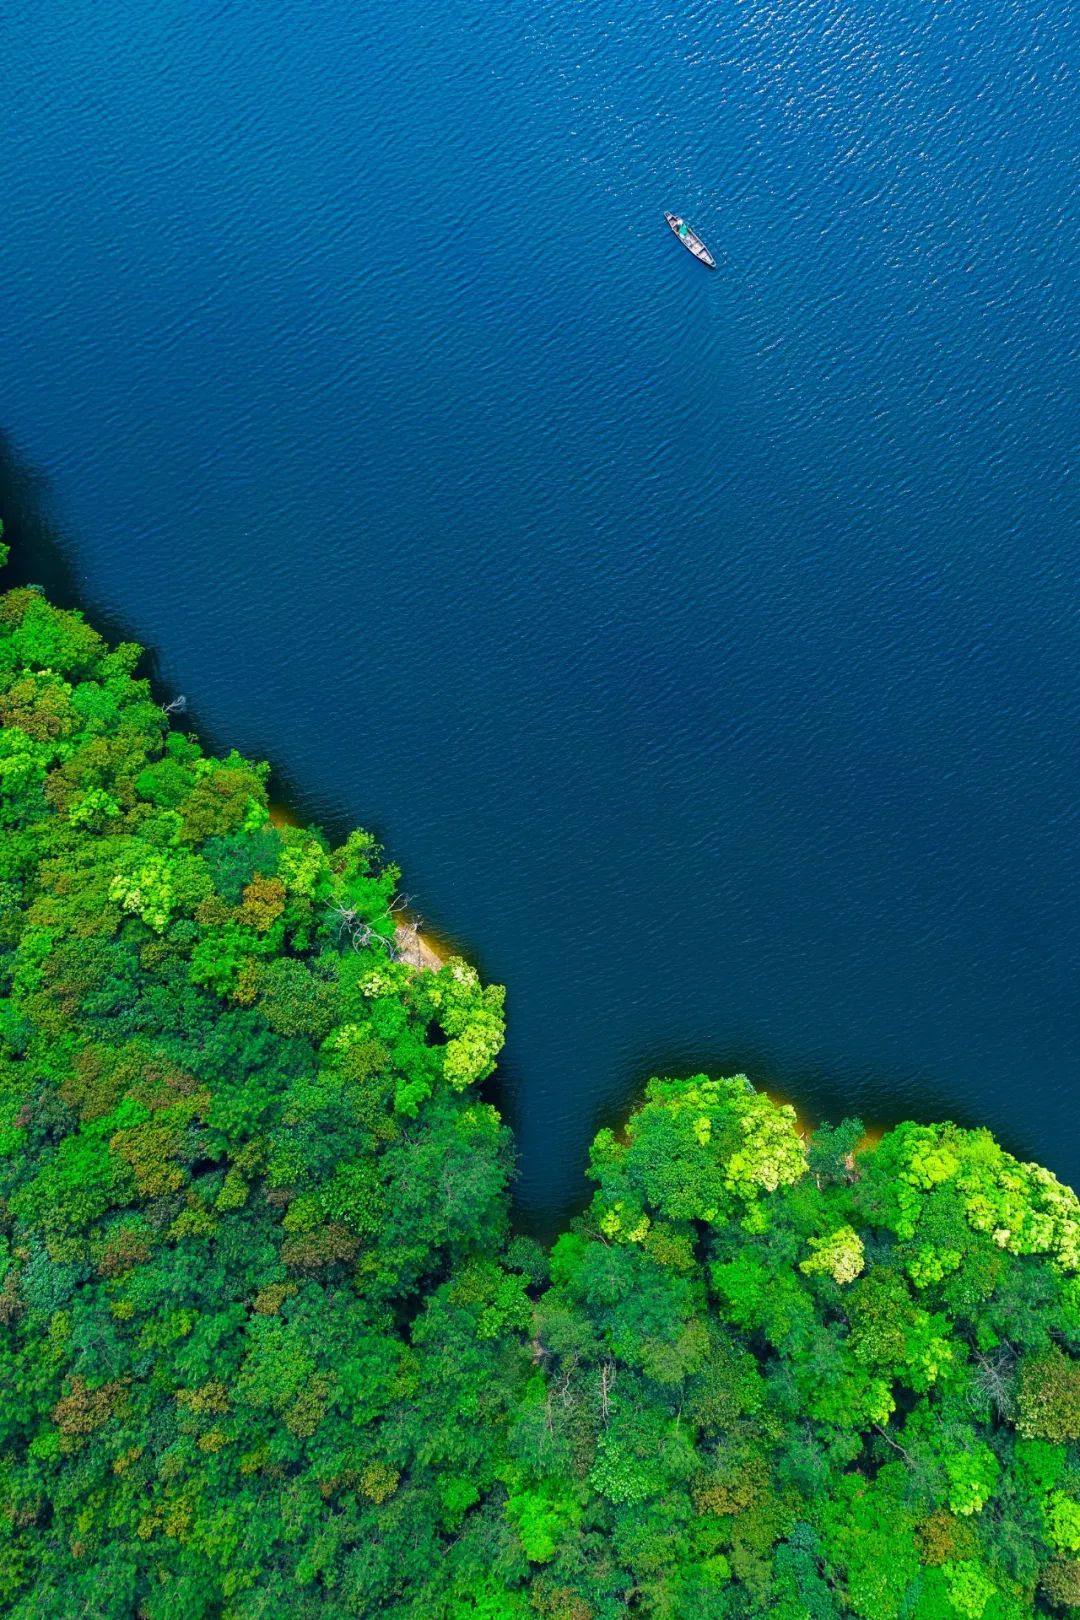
(41,553)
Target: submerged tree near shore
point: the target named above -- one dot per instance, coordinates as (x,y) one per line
(268,1347)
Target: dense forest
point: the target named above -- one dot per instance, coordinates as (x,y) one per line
(270,1348)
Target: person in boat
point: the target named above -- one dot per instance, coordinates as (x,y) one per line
(684,230)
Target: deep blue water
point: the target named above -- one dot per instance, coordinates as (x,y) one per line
(705,647)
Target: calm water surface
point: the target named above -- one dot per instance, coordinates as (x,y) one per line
(704,646)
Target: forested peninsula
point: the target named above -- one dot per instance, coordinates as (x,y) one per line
(269,1347)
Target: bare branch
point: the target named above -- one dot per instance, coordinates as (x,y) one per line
(993,1383)
(607,1379)
(895,1445)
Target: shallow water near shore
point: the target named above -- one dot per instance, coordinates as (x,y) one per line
(703,645)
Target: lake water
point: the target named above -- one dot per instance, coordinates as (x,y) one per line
(704,646)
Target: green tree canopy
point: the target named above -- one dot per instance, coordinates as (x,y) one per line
(269,1347)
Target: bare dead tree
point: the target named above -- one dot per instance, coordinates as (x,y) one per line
(560,1391)
(361,933)
(410,933)
(177,706)
(993,1384)
(607,1380)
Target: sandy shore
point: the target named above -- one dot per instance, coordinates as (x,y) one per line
(415,949)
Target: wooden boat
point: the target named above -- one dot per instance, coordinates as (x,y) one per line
(690,240)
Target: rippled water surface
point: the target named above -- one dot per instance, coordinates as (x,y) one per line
(703,645)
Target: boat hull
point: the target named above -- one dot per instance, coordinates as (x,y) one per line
(690,240)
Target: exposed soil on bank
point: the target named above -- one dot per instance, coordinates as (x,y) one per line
(415,949)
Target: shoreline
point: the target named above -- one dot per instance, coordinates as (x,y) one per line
(873,1130)
(414,949)
(418,950)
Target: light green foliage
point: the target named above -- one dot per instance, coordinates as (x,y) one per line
(267,1346)
(1022,1207)
(840,1255)
(1063,1522)
(543,1518)
(155,885)
(146,889)
(970,1589)
(304,868)
(972,1477)
(709,1148)
(93,809)
(770,1154)
(472,1016)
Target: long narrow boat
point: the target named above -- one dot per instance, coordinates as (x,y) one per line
(690,240)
